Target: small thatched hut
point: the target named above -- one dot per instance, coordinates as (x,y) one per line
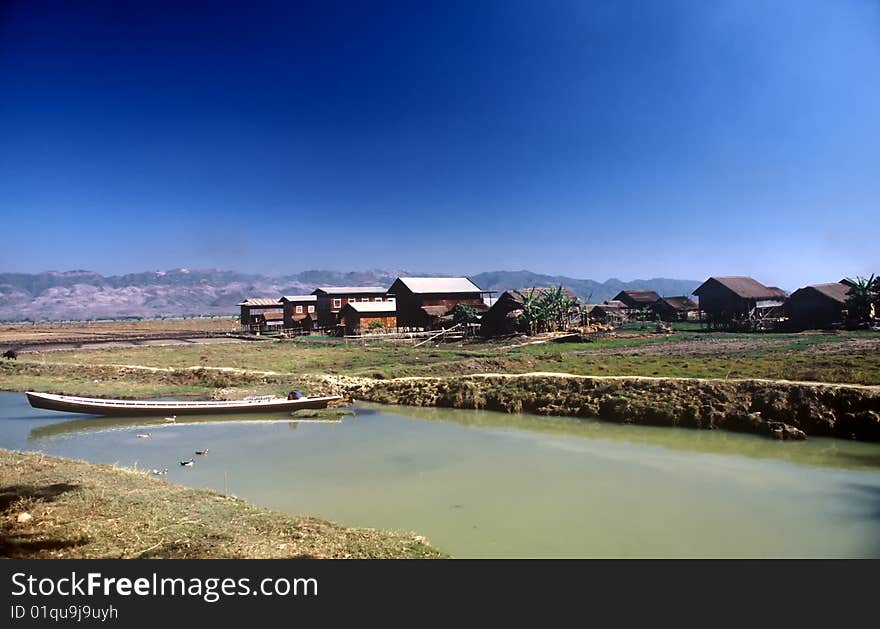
(678,308)
(505,315)
(817,306)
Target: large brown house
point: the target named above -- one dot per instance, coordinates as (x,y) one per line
(360,317)
(817,306)
(726,301)
(297,309)
(331,299)
(254,312)
(427,302)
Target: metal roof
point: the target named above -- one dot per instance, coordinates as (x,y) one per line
(350,290)
(745,287)
(423,285)
(372,306)
(297,298)
(260,301)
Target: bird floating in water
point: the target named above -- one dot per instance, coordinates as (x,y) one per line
(188,463)
(171,419)
(144,435)
(202,452)
(161,472)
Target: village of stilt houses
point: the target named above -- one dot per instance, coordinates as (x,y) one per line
(452,308)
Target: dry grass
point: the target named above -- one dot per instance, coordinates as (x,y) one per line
(230,371)
(76,509)
(19,333)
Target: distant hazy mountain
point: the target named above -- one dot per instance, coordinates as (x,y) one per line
(588,290)
(79,295)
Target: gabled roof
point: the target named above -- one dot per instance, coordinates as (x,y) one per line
(428,285)
(680,302)
(744,287)
(610,305)
(259,301)
(372,306)
(298,298)
(637,297)
(349,290)
(835,291)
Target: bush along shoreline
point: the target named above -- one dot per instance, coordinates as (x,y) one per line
(778,409)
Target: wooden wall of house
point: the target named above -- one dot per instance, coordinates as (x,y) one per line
(667,313)
(327,312)
(253,315)
(360,322)
(290,312)
(717,300)
(409,313)
(811,309)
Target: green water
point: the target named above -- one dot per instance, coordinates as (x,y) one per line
(482,484)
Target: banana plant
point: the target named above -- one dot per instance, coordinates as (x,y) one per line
(863,301)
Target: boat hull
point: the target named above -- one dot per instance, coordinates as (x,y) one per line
(131,408)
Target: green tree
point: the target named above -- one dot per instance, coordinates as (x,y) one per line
(863,301)
(462,313)
(531,308)
(545,309)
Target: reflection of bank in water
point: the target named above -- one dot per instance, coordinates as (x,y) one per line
(104,424)
(824,452)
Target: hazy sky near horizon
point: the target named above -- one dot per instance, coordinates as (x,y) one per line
(590,139)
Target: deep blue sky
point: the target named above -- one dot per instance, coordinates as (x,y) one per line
(593,139)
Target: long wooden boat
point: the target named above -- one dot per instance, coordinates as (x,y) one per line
(99,406)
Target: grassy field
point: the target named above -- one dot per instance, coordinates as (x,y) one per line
(57,508)
(844,357)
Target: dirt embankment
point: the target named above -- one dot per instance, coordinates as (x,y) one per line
(780,409)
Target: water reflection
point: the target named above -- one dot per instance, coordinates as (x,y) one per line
(826,452)
(103,424)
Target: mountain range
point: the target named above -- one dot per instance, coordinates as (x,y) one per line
(84,295)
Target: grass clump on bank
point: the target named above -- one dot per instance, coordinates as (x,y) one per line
(58,508)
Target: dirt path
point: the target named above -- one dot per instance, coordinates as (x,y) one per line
(254,372)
